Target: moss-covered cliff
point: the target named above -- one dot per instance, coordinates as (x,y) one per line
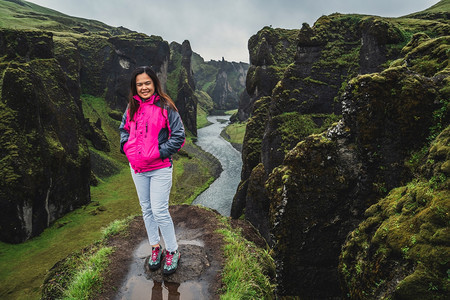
(44,155)
(182,84)
(386,80)
(401,250)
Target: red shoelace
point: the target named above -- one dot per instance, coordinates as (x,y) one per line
(155,252)
(169,257)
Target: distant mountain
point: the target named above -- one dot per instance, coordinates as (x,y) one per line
(223,81)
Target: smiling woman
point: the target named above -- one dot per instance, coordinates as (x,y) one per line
(144,86)
(150,133)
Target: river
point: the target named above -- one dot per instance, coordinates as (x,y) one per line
(219,195)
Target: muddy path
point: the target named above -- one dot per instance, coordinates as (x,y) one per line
(199,273)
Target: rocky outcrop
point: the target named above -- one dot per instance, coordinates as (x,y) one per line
(325,184)
(271,51)
(402,235)
(97,136)
(404,238)
(304,189)
(44,156)
(267,66)
(184,84)
(107,63)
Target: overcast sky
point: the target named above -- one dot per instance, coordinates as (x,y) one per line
(221,28)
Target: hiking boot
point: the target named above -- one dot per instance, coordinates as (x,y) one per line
(154,262)
(171,262)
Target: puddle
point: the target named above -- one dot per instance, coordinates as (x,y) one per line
(186,283)
(139,287)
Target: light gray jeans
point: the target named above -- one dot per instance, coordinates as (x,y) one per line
(153,190)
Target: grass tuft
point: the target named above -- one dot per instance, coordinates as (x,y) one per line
(245,274)
(116,227)
(87,281)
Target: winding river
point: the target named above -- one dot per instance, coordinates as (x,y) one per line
(219,195)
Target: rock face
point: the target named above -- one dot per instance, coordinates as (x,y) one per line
(44,155)
(230,82)
(181,85)
(404,236)
(107,63)
(306,183)
(266,64)
(325,184)
(271,51)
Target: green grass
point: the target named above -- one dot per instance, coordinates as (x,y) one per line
(80,275)
(23,266)
(116,227)
(202,115)
(199,190)
(438,7)
(95,108)
(87,281)
(245,274)
(191,177)
(231,112)
(35,17)
(236,132)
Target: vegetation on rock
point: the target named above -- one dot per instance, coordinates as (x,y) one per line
(401,249)
(317,187)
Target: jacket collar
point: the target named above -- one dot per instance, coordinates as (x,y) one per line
(153,99)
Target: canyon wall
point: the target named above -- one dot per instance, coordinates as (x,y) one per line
(335,119)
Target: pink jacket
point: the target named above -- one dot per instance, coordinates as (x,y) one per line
(152,136)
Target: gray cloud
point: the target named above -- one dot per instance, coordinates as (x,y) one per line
(221,28)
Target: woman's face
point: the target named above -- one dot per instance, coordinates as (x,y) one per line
(144,86)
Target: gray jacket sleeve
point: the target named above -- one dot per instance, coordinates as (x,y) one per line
(124,134)
(177,135)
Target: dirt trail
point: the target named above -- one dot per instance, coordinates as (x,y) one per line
(198,275)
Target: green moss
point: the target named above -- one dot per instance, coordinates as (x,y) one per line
(293,126)
(408,227)
(254,131)
(430,56)
(8,145)
(202,120)
(278,39)
(204,100)
(173,75)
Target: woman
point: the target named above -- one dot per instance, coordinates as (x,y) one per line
(150,132)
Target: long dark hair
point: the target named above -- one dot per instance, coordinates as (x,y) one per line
(133,104)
